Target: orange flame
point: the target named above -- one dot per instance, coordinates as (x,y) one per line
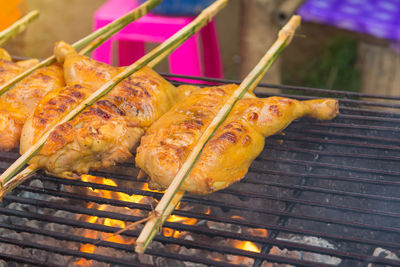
(260,232)
(246,245)
(88,248)
(168,232)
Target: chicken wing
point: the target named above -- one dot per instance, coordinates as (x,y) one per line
(237,142)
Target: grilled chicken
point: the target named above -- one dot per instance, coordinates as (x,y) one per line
(17,103)
(10,69)
(106,132)
(82,76)
(236,143)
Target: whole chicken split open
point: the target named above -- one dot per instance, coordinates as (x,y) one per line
(238,141)
(105,133)
(20,101)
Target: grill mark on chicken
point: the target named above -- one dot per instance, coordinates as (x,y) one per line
(77,94)
(253,116)
(44,77)
(58,138)
(111,106)
(192,124)
(58,105)
(274,110)
(230,136)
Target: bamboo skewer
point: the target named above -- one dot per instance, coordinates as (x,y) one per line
(116,25)
(29,171)
(18,26)
(18,179)
(167,202)
(161,51)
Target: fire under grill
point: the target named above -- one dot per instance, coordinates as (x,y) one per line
(320,194)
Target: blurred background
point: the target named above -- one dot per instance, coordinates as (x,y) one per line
(342,44)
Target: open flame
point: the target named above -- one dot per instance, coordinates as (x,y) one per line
(89,248)
(246,245)
(168,232)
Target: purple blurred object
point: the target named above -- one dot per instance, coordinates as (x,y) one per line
(380,18)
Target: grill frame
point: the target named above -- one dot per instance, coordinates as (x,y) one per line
(359,110)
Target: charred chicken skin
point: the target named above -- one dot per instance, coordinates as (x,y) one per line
(20,101)
(106,132)
(236,143)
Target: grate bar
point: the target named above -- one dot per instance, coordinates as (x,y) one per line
(187,243)
(123,217)
(282,86)
(368,118)
(217,203)
(338,142)
(129,248)
(330,166)
(342,100)
(385,113)
(351,126)
(306,188)
(317,153)
(69,252)
(342,135)
(20,259)
(315,176)
(126,247)
(196,199)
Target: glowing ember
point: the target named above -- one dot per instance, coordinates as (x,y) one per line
(238,217)
(246,245)
(175,218)
(168,232)
(259,232)
(88,248)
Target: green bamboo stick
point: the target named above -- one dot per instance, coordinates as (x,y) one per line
(19,178)
(168,201)
(18,26)
(29,171)
(117,25)
(172,43)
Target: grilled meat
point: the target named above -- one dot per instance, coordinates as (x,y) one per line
(82,75)
(10,69)
(236,143)
(106,132)
(20,101)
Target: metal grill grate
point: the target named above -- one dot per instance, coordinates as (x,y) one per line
(326,192)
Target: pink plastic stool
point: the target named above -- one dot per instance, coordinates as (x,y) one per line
(186,60)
